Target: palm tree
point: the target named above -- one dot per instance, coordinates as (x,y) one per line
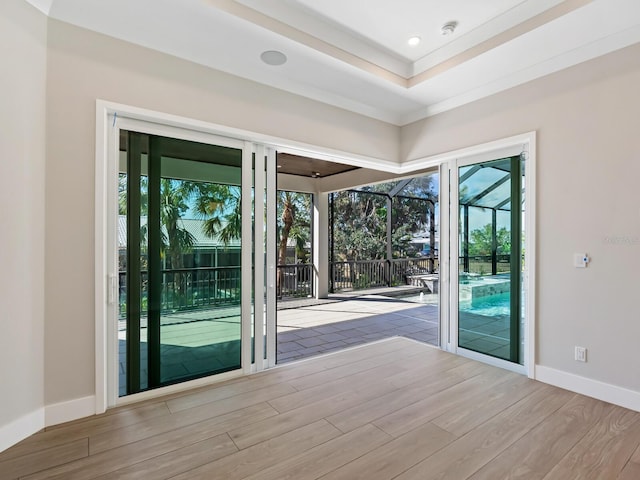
(221,208)
(174,198)
(294,222)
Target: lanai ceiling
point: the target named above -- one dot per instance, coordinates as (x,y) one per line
(354,54)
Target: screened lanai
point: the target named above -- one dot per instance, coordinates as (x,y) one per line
(382,272)
(384,234)
(486,196)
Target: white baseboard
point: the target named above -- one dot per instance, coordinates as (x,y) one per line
(21,428)
(592,388)
(70,410)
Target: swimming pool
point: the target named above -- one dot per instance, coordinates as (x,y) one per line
(489,305)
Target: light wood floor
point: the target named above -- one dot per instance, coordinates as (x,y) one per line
(394,409)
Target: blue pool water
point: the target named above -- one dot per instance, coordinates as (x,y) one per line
(490,305)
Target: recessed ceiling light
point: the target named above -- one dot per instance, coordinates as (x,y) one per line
(448,28)
(273,57)
(413,41)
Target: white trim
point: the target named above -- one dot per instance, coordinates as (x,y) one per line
(493,361)
(246,258)
(21,428)
(271,257)
(444,283)
(112,368)
(258,258)
(101,227)
(481,153)
(69,410)
(178,132)
(179,387)
(454,248)
(586,386)
(530,253)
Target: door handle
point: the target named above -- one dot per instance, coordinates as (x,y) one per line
(112,288)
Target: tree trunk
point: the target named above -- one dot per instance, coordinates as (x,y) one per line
(287,221)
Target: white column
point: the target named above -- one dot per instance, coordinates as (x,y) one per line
(321,244)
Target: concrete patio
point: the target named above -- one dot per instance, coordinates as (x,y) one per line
(342,322)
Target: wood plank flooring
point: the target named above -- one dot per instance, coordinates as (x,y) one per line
(396,409)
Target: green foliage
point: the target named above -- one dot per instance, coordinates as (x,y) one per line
(294,222)
(220,207)
(359,227)
(360,219)
(480,242)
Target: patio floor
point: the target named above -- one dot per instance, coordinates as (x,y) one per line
(312,330)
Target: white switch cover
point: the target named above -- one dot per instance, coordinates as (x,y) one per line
(580,260)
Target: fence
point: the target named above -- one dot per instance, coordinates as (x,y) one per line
(189,288)
(485,264)
(192,288)
(294,281)
(360,275)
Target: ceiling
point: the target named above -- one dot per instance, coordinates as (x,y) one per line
(354,54)
(310,167)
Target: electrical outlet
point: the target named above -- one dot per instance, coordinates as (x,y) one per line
(581,354)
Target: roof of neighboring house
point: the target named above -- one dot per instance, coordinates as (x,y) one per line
(193,226)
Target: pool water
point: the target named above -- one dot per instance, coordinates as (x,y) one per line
(489,305)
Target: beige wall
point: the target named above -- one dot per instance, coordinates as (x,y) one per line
(23,60)
(84,66)
(588,183)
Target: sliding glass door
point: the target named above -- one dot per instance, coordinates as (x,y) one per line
(180,232)
(488,206)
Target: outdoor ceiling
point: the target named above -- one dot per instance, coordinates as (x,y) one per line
(310,167)
(354,54)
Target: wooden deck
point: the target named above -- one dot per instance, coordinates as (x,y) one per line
(393,409)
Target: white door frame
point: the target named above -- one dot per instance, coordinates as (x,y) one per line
(110,120)
(110,116)
(521,144)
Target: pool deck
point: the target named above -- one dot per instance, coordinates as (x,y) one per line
(315,329)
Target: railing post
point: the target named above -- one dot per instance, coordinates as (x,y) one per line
(332,277)
(388,272)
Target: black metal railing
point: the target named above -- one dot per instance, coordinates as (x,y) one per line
(485,264)
(359,275)
(193,288)
(403,268)
(294,281)
(189,288)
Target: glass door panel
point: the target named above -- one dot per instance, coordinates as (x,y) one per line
(180,277)
(490,265)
